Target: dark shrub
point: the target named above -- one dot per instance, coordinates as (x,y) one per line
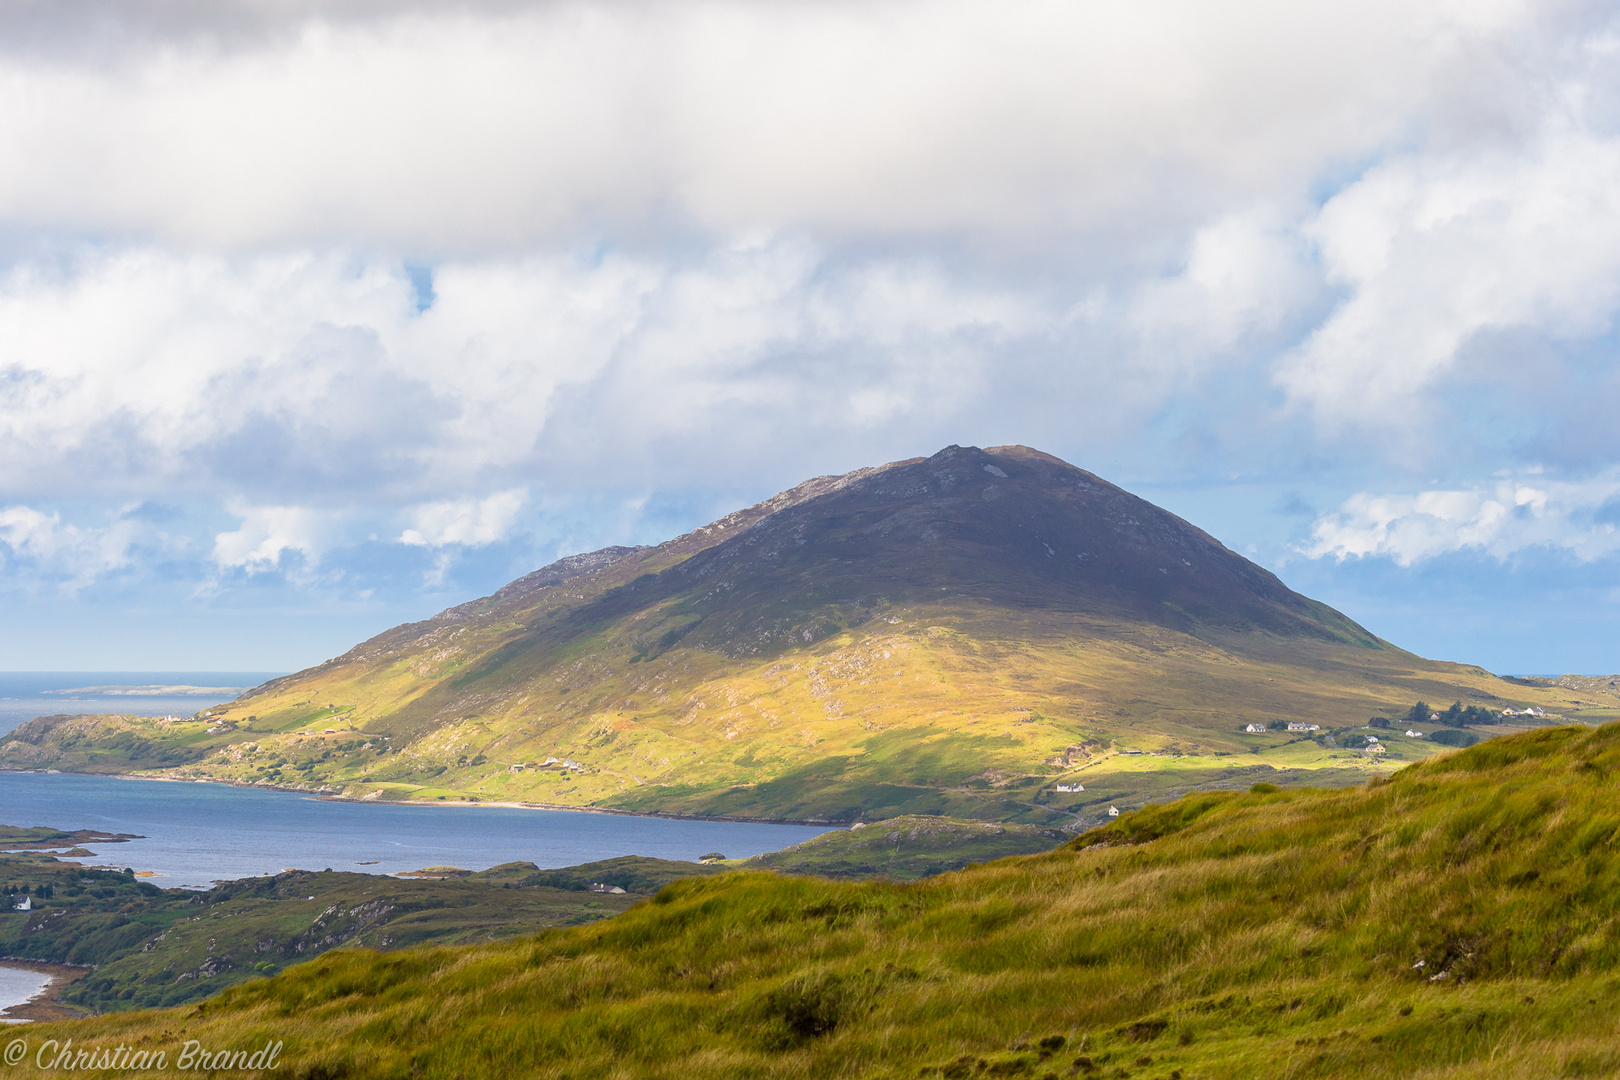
(814,1004)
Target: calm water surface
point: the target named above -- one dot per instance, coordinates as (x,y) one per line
(17,985)
(200,833)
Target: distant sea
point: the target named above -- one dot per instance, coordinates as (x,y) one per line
(27,694)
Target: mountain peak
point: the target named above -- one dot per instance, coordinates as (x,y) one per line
(973,633)
(1009,526)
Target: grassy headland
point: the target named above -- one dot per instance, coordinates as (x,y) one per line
(1460,919)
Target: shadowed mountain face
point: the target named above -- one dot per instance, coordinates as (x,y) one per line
(982,633)
(1008,527)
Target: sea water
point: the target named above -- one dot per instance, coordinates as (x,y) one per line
(27,694)
(198,833)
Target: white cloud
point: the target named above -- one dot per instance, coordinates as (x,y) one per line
(1433,249)
(284,379)
(468,522)
(1246,275)
(267,532)
(1499,519)
(72,555)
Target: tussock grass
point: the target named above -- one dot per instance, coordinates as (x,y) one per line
(1458,920)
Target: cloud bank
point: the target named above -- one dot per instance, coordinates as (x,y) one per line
(1509,517)
(452,129)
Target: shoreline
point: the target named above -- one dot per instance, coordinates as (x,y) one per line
(507,805)
(44,1006)
(666,815)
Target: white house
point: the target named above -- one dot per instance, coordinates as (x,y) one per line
(1071,787)
(1296,726)
(1256,729)
(1113,811)
(23,903)
(1410,734)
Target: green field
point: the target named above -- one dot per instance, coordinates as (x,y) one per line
(1459,919)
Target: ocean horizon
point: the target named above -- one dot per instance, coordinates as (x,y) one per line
(25,695)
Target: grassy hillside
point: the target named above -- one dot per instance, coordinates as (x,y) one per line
(907,848)
(955,636)
(1456,920)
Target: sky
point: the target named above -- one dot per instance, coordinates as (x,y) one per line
(317,316)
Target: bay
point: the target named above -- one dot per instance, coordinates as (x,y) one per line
(199,833)
(18,985)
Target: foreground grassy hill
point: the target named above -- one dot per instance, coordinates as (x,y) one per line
(1456,920)
(969,634)
(162,947)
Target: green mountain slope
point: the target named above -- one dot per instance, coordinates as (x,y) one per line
(975,634)
(1461,919)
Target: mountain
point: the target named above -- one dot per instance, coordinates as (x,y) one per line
(977,634)
(1456,920)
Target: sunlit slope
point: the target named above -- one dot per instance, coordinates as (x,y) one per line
(1461,919)
(956,635)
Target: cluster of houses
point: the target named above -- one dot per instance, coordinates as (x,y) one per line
(1293,725)
(1531,711)
(564,762)
(1066,788)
